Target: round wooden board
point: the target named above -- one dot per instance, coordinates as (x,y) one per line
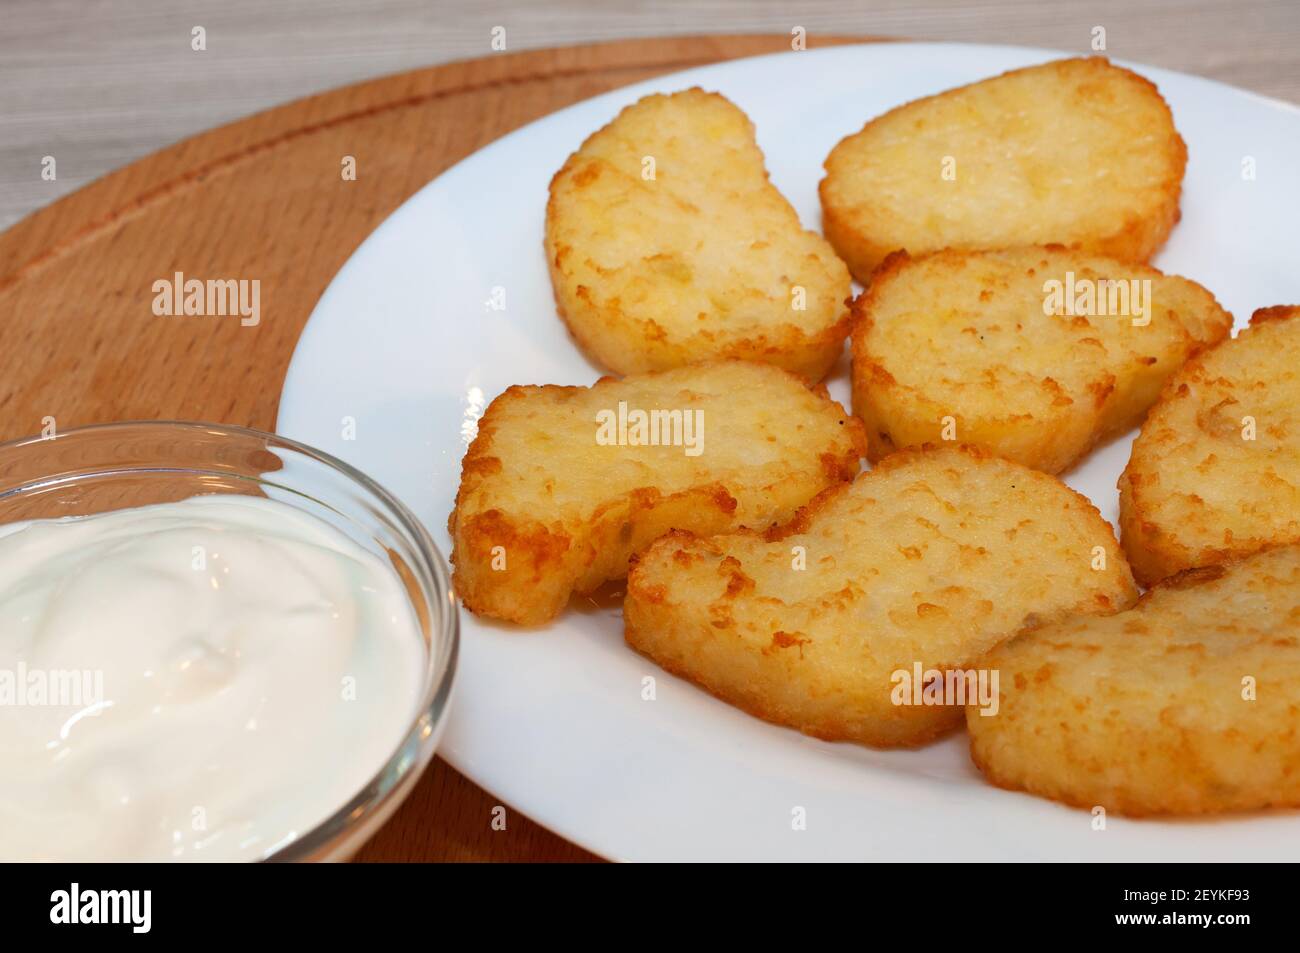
(265,198)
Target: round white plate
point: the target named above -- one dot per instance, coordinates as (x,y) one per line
(405,344)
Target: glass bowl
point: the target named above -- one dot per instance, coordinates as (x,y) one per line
(112,466)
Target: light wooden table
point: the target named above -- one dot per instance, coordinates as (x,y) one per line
(100,86)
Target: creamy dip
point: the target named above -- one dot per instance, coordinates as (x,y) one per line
(201,680)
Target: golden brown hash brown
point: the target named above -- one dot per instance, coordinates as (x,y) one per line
(1077,152)
(1215,471)
(962,339)
(704,260)
(544,509)
(1188,703)
(935,556)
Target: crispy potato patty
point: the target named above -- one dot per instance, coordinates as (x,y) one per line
(959,346)
(1215,471)
(1076,152)
(667,245)
(1185,704)
(562,485)
(930,559)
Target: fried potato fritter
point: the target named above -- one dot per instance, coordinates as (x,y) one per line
(930,559)
(962,342)
(562,485)
(1076,152)
(1185,704)
(667,245)
(1215,471)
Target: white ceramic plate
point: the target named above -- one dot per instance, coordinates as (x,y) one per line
(552,722)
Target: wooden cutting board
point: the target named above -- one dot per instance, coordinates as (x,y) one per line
(265,198)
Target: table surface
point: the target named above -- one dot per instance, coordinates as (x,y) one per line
(98,86)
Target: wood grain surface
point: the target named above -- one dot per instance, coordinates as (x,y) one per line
(264,199)
(98,85)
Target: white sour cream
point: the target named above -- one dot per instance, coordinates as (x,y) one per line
(202,680)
